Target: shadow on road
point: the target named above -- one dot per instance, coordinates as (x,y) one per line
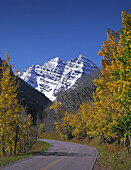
(63,154)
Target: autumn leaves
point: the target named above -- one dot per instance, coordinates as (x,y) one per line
(109,116)
(14,123)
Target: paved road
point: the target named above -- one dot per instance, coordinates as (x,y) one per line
(60,156)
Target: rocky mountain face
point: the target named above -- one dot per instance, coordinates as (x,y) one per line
(55,75)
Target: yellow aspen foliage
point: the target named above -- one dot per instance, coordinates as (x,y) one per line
(82,121)
(113,93)
(41,128)
(57,107)
(79,125)
(9,107)
(64,128)
(106,106)
(122,77)
(10,111)
(110,114)
(24,130)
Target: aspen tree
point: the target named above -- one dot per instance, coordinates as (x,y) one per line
(106,106)
(122,77)
(24,130)
(113,93)
(9,108)
(82,122)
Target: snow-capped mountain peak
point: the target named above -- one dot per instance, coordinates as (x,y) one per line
(54,75)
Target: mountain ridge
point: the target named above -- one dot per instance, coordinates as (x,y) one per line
(55,75)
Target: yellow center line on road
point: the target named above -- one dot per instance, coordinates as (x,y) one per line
(54,162)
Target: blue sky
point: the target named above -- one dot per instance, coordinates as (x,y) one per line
(35,31)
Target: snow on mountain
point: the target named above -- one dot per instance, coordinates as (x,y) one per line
(54,75)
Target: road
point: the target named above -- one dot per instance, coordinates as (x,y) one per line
(60,156)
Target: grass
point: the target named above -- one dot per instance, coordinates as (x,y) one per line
(110,156)
(51,135)
(113,158)
(39,147)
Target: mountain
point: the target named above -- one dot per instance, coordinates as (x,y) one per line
(55,75)
(34,101)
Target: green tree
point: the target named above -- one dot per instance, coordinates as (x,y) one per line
(113,93)
(122,77)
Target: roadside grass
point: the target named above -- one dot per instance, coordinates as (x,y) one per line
(37,148)
(110,156)
(115,160)
(51,135)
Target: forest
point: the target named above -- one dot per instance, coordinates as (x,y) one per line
(20,112)
(106,113)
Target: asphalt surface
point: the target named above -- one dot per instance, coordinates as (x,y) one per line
(60,156)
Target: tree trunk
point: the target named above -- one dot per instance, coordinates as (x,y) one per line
(10,149)
(16,139)
(102,137)
(119,141)
(2,146)
(130,140)
(24,145)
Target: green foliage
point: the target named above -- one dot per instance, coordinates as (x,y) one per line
(113,93)
(123,125)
